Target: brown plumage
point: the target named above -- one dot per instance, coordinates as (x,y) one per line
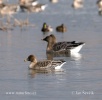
(54,46)
(44,64)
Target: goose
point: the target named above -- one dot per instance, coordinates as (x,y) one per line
(28,2)
(9,9)
(2,4)
(54,46)
(46,28)
(44,64)
(35,7)
(54,1)
(61,28)
(41,6)
(99,4)
(77,4)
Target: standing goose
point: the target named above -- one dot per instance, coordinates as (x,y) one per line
(36,8)
(54,46)
(28,2)
(54,1)
(32,7)
(99,4)
(1,4)
(77,4)
(9,9)
(44,64)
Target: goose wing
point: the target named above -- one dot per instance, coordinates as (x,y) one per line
(62,45)
(74,45)
(43,64)
(49,64)
(66,45)
(57,64)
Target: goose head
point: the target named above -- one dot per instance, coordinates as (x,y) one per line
(51,40)
(32,60)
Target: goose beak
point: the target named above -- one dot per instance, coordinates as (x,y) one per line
(43,39)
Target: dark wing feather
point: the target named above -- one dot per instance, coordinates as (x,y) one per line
(71,46)
(62,45)
(56,63)
(66,45)
(42,64)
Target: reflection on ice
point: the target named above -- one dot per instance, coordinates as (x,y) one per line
(33,73)
(74,56)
